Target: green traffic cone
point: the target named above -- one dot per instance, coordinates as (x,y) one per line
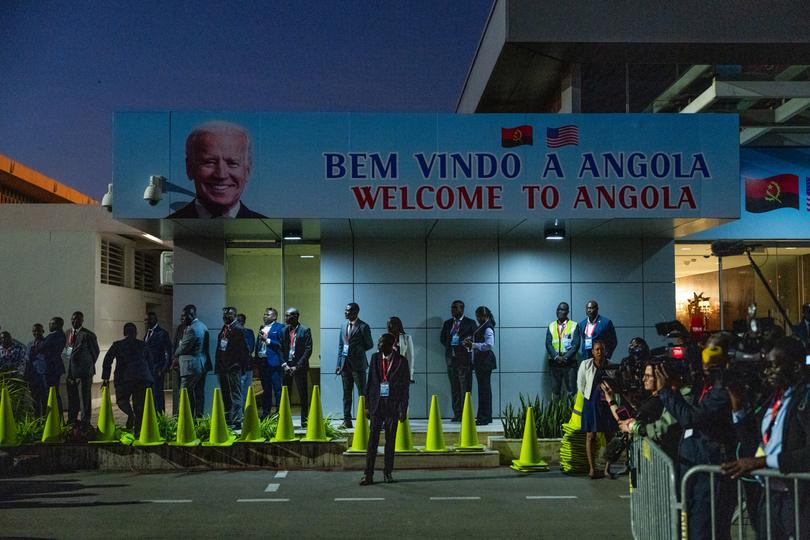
(250,423)
(285,432)
(361,428)
(106,422)
(220,435)
(186,435)
(404,443)
(8,426)
(435,435)
(468,438)
(316,432)
(150,434)
(53,421)
(529,460)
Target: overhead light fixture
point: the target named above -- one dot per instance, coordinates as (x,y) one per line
(151,238)
(106,200)
(685,248)
(307,256)
(292,234)
(555,231)
(791,247)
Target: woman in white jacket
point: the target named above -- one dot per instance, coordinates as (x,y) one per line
(403,343)
(596,415)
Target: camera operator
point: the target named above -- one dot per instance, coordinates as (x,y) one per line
(783,439)
(630,374)
(705,416)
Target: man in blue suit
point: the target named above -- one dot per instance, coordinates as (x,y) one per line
(594,327)
(191,355)
(160,351)
(268,355)
(51,348)
(802,330)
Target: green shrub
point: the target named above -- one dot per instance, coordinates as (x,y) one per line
(167,426)
(29,429)
(549,416)
(22,405)
(268,426)
(332,428)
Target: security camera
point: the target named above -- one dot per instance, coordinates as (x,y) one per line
(106,200)
(154,191)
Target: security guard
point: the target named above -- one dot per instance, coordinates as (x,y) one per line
(562,345)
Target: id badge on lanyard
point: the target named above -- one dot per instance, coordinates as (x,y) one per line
(454,340)
(223,344)
(384,389)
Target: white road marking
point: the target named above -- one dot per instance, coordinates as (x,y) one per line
(261,500)
(347,499)
(455,498)
(166,501)
(271,488)
(281,474)
(543,497)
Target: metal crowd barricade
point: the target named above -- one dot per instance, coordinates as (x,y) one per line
(653,504)
(765,475)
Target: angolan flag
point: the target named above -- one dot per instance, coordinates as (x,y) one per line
(772,193)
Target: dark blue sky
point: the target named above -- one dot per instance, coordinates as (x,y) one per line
(65,67)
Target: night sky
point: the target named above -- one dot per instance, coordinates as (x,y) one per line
(65,67)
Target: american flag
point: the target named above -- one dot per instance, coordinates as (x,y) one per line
(562,136)
(807,193)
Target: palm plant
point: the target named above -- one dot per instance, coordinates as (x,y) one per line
(22,404)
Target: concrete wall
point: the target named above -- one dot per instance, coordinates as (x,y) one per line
(520,279)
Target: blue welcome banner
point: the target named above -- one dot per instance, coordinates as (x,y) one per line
(353,165)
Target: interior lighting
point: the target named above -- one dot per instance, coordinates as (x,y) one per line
(555,231)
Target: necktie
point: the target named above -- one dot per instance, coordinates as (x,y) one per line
(456,326)
(148,334)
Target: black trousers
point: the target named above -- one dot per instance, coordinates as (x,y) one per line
(460,376)
(230,384)
(385,417)
(351,380)
(79,394)
(484,379)
(300,378)
(698,507)
(157,391)
(130,398)
(783,519)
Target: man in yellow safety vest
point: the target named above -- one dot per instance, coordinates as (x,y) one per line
(562,344)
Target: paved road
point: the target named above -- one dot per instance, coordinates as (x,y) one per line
(493,503)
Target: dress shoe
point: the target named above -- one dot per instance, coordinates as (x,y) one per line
(347,424)
(366,480)
(388,479)
(481,422)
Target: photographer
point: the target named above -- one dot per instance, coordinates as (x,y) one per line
(705,416)
(784,439)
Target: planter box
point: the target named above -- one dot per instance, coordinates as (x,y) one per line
(510,449)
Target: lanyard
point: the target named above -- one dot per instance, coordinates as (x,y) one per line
(590,328)
(386,367)
(560,330)
(777,404)
(706,390)
(72,337)
(226,330)
(456,327)
(292,339)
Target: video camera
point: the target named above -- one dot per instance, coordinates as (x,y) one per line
(677,358)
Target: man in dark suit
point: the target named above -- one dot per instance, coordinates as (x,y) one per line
(133,374)
(594,327)
(51,348)
(232,359)
(296,348)
(218,161)
(355,340)
(160,352)
(459,370)
(802,330)
(80,355)
(389,383)
(250,341)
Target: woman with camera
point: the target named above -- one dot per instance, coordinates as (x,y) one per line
(596,416)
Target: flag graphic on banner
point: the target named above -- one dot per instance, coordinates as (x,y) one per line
(562,136)
(517,136)
(772,193)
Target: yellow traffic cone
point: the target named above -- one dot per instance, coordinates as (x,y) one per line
(219,435)
(468,438)
(53,421)
(106,422)
(361,428)
(404,443)
(185,423)
(316,431)
(150,434)
(529,460)
(250,423)
(435,435)
(575,422)
(285,431)
(8,426)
